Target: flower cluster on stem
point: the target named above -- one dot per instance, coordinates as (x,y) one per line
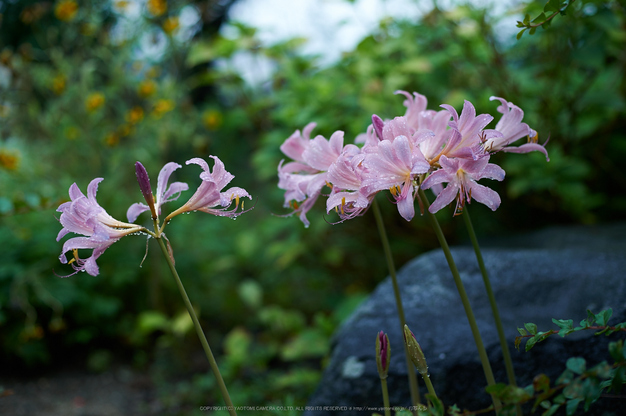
(84,216)
(421,149)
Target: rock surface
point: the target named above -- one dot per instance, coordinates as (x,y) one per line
(555,273)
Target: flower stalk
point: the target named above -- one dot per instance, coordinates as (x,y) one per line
(383,357)
(464,299)
(413,386)
(508,363)
(84,216)
(199,331)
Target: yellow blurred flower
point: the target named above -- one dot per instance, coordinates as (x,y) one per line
(135,115)
(162,106)
(147,88)
(94,101)
(156,7)
(171,25)
(66,10)
(72,133)
(58,84)
(122,5)
(212,119)
(9,159)
(112,139)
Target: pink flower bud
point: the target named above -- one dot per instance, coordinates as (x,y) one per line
(383,355)
(144,185)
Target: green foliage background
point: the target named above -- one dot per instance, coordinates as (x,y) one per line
(270,293)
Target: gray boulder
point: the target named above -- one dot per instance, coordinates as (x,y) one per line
(555,273)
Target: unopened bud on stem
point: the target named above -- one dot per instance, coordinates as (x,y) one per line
(415,352)
(383,355)
(146,190)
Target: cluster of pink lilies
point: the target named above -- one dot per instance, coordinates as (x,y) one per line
(422,149)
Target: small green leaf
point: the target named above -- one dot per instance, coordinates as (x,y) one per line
(574,390)
(619,378)
(566,325)
(565,378)
(532,328)
(576,364)
(532,30)
(615,349)
(527,19)
(522,331)
(437,405)
(571,406)
(603,317)
(530,343)
(552,6)
(540,18)
(552,410)
(521,32)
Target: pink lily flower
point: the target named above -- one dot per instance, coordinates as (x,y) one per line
(467,130)
(297,143)
(461,176)
(345,175)
(304,178)
(208,196)
(415,106)
(164,193)
(83,215)
(511,129)
(395,167)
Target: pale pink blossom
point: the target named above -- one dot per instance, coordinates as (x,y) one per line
(395,167)
(83,215)
(461,176)
(345,175)
(511,129)
(467,130)
(304,178)
(209,197)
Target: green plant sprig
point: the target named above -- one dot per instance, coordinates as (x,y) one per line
(567,327)
(575,385)
(554,6)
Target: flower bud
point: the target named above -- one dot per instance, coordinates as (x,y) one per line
(144,185)
(383,355)
(378,124)
(415,351)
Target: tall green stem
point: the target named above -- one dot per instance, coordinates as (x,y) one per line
(415,395)
(508,363)
(464,299)
(383,383)
(429,385)
(196,324)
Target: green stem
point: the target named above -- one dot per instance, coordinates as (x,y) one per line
(415,394)
(429,385)
(464,299)
(383,383)
(196,324)
(508,363)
